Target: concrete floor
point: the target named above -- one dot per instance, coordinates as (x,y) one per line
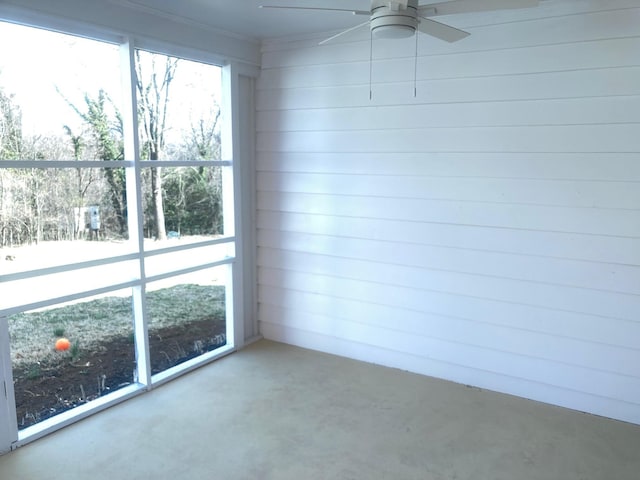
(273,411)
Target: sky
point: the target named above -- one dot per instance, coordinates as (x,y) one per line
(34,62)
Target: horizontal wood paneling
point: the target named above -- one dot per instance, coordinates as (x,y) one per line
(301,290)
(581,111)
(624,223)
(578,300)
(566,138)
(557,271)
(574,166)
(486,230)
(591,248)
(596,194)
(611,53)
(555,85)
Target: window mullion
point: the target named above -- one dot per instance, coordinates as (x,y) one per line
(134,203)
(232,200)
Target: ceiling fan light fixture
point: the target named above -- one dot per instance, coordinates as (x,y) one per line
(393,31)
(387,24)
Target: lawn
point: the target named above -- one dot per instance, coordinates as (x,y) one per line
(87,324)
(185,321)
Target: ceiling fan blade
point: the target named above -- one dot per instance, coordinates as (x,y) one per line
(354,12)
(441,31)
(467,6)
(345,32)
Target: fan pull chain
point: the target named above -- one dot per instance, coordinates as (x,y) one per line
(415,69)
(370,63)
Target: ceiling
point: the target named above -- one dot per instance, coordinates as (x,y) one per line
(245,18)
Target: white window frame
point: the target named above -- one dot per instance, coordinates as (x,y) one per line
(10,436)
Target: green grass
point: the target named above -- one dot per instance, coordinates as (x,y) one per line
(74,351)
(34,371)
(88,323)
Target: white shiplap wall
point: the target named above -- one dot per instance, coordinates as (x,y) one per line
(486,231)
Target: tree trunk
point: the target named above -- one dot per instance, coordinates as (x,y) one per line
(118,199)
(160,230)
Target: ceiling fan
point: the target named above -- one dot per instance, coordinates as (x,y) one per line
(403,18)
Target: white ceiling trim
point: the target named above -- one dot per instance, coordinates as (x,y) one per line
(182,20)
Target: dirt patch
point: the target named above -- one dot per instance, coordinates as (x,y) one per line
(45,389)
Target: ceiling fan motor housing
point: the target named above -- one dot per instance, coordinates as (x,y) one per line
(390,19)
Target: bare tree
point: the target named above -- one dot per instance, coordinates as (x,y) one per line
(153,100)
(10,128)
(84,179)
(204,140)
(11,147)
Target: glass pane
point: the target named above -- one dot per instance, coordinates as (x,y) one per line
(187,317)
(41,288)
(163,263)
(57,216)
(179,108)
(70,354)
(59,96)
(182,203)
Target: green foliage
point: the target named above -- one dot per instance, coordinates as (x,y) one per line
(106,139)
(193,200)
(74,351)
(58,332)
(76,141)
(105,133)
(34,372)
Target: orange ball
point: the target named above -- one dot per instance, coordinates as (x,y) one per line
(62,344)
